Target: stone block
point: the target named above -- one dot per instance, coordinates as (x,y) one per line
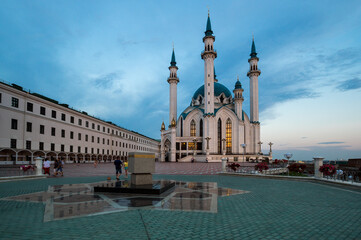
(141,179)
(141,162)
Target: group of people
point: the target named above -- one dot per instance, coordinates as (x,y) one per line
(58,167)
(118,168)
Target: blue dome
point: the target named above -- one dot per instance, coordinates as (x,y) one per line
(218,90)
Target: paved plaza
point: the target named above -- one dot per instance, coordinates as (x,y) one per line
(265,209)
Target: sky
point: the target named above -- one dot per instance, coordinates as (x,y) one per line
(111,58)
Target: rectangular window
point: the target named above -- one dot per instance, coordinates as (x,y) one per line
(92,139)
(53,131)
(108,142)
(112,142)
(71,135)
(79,136)
(0,97)
(86,137)
(79,122)
(93,126)
(103,141)
(42,111)
(14,102)
(42,129)
(103,129)
(86,150)
(71,148)
(52,146)
(14,124)
(41,146)
(108,130)
(72,119)
(98,140)
(86,124)
(29,107)
(79,149)
(98,127)
(13,143)
(63,118)
(29,126)
(28,145)
(92,150)
(63,133)
(97,150)
(62,147)
(53,114)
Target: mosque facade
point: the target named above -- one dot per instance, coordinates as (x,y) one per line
(215,124)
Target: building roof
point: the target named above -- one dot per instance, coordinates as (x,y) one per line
(218,90)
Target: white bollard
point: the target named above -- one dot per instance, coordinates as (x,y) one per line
(39,166)
(224,164)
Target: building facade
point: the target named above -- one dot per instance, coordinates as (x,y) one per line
(33,125)
(214,125)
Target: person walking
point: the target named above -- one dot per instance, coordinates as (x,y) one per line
(118,168)
(126,168)
(60,167)
(46,166)
(56,164)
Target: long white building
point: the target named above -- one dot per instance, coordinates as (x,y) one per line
(33,125)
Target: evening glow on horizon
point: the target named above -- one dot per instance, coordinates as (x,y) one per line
(111,58)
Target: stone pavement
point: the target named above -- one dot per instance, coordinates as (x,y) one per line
(273,209)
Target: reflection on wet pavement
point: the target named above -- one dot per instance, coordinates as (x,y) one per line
(79,200)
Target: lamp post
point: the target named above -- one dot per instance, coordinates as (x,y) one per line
(288,156)
(260,147)
(270,147)
(244,149)
(224,146)
(195,146)
(207,151)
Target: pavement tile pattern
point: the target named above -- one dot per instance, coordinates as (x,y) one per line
(273,209)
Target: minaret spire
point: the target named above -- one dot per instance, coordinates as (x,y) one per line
(253,49)
(172,61)
(209,31)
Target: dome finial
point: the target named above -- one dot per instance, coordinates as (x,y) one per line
(238,84)
(162,128)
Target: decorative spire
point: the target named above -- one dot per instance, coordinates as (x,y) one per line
(238,84)
(208,31)
(253,50)
(162,128)
(172,124)
(173,62)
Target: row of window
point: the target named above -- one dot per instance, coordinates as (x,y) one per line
(30,108)
(13,144)
(29,128)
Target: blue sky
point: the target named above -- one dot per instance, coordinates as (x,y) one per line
(111,58)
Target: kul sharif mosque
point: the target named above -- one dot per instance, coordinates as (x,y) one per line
(215,125)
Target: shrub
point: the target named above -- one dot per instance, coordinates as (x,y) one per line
(297,167)
(261,166)
(327,169)
(233,166)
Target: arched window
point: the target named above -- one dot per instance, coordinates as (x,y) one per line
(201,128)
(193,128)
(229,136)
(219,137)
(181,129)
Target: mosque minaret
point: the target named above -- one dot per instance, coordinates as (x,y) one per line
(215,124)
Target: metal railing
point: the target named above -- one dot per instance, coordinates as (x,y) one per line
(16,172)
(346,176)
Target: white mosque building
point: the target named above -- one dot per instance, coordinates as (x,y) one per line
(214,126)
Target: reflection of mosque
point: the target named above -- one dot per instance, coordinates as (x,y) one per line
(214,125)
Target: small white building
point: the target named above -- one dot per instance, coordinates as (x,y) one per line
(33,125)
(214,125)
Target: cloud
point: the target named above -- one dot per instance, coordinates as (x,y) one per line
(106,81)
(331,142)
(350,84)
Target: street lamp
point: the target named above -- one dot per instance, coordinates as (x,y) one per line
(270,146)
(207,151)
(244,149)
(260,147)
(288,156)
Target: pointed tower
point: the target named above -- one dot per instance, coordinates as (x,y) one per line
(253,74)
(173,81)
(208,55)
(238,98)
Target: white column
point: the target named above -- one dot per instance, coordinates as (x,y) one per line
(318,162)
(173,101)
(254,97)
(173,144)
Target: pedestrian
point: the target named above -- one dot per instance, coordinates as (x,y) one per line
(95,163)
(126,168)
(46,166)
(60,167)
(56,164)
(118,168)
